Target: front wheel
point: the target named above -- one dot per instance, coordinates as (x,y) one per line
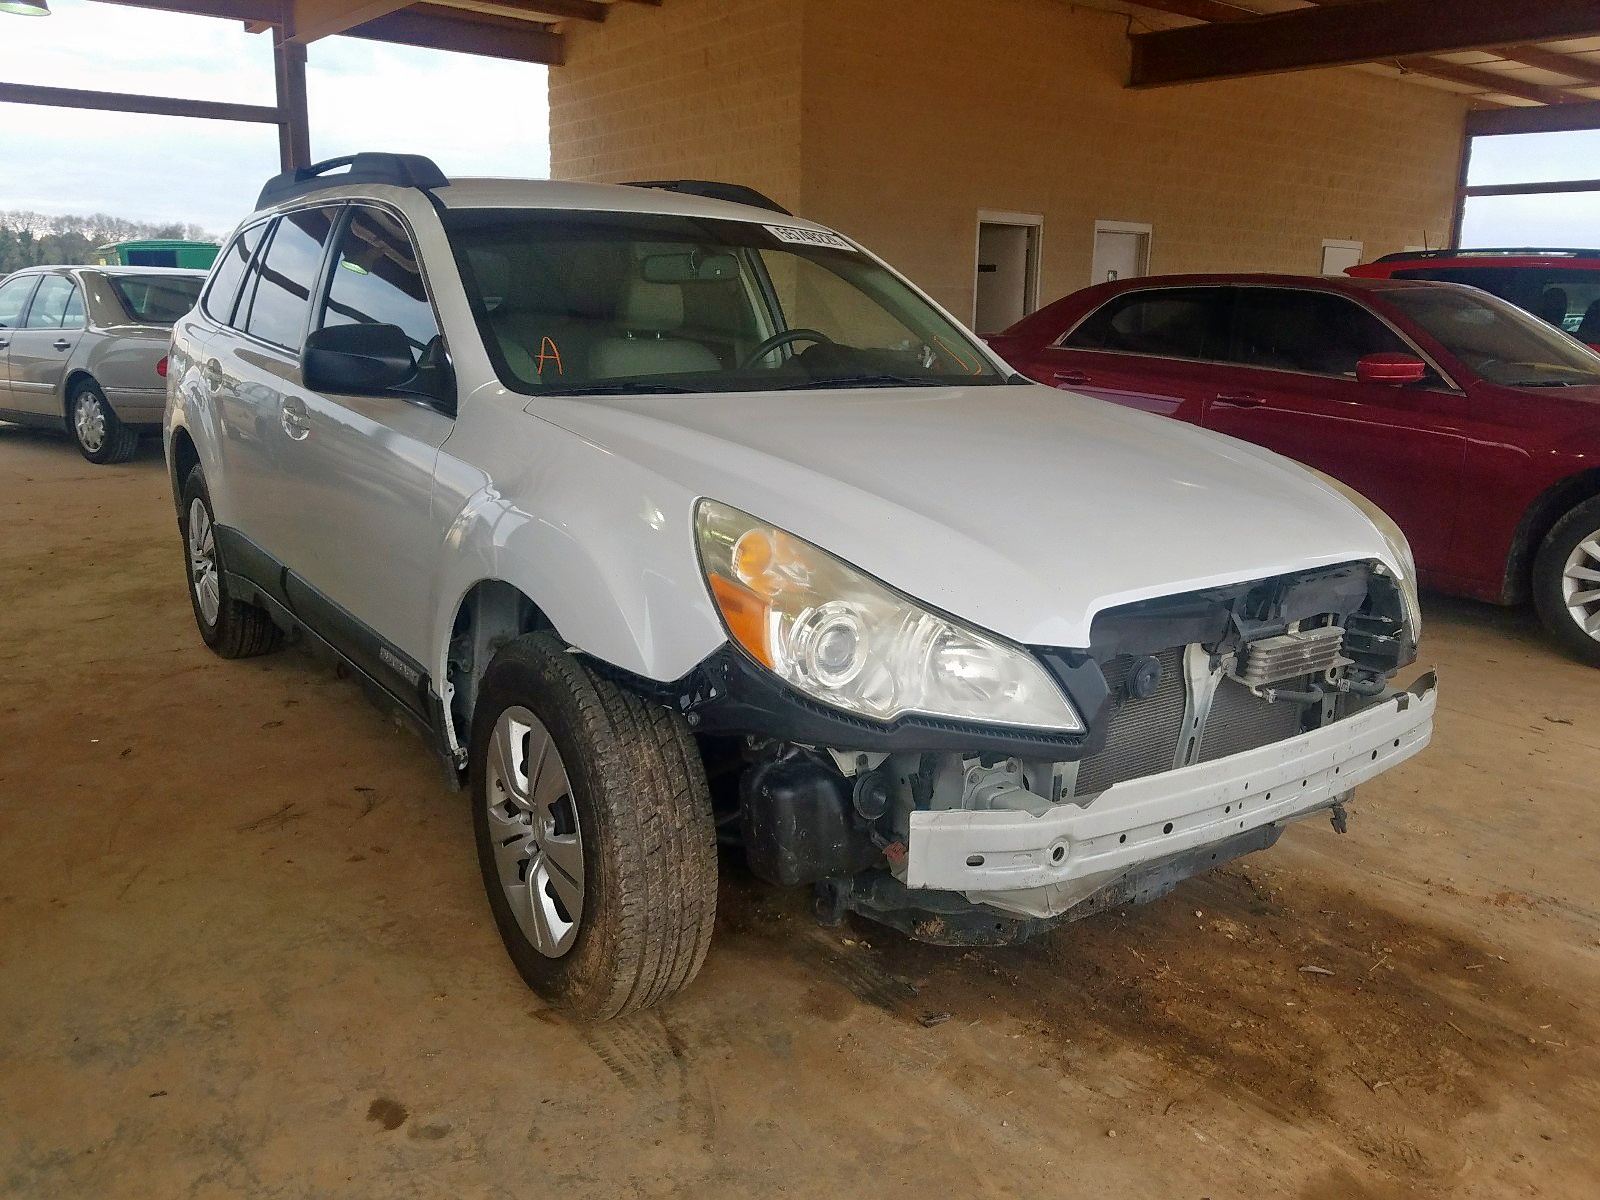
(1566,582)
(101,436)
(594,831)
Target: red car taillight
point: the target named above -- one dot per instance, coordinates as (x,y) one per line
(161,367)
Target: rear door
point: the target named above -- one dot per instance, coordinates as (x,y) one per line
(254,374)
(1149,349)
(41,350)
(1295,391)
(14,296)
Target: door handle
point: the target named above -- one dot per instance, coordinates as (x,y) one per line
(1241,399)
(4,342)
(295,421)
(212,373)
(62,344)
(1070,378)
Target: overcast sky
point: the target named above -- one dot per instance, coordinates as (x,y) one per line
(472,115)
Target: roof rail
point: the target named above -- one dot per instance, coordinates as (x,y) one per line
(1491,252)
(400,170)
(712,190)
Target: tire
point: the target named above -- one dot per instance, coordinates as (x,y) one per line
(618,884)
(230,626)
(99,433)
(1566,582)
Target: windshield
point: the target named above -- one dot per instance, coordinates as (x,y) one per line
(631,302)
(157,299)
(1497,340)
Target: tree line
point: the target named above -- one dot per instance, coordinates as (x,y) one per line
(31,239)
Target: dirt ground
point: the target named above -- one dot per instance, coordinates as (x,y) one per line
(244,952)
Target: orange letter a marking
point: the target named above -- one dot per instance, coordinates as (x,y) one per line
(548,352)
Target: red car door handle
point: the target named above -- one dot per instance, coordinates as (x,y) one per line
(1070,378)
(1241,399)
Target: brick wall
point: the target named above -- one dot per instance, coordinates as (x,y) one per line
(898,120)
(696,89)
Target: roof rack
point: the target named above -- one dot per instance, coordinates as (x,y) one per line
(400,170)
(712,190)
(1490,252)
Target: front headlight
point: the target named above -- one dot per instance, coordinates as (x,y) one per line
(843,638)
(1397,543)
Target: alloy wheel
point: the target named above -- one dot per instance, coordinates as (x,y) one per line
(89,420)
(533,823)
(1580,584)
(203,562)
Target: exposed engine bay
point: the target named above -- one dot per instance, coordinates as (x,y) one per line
(1168,685)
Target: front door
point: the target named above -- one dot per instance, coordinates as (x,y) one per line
(360,475)
(41,349)
(1294,390)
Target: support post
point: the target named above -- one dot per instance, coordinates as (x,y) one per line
(294,122)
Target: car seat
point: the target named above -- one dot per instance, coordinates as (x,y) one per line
(649,317)
(1553,304)
(1589,328)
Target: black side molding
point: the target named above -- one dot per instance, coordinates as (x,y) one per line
(399,170)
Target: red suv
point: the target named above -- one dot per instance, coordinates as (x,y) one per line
(1475,425)
(1559,286)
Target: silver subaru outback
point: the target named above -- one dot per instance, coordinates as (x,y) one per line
(85,349)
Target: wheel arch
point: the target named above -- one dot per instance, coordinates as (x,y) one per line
(489,614)
(1539,518)
(182,457)
(74,379)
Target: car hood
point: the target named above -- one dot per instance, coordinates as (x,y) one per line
(1023,509)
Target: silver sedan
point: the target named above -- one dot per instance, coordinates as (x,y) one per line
(85,349)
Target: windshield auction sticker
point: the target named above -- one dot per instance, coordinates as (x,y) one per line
(808,237)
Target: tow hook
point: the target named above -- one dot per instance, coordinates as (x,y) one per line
(1341,819)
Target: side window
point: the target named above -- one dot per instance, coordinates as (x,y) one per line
(50,302)
(1168,322)
(1320,333)
(14,295)
(73,317)
(229,273)
(284,276)
(376,280)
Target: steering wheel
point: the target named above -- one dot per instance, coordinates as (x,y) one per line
(784,338)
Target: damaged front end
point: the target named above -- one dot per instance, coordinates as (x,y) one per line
(1211,720)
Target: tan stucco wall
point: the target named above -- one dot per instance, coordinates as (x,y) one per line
(898,120)
(695,89)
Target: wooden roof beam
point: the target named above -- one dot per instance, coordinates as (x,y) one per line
(1484,81)
(1585,71)
(435,28)
(1345,34)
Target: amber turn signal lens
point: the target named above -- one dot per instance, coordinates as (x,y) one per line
(746,616)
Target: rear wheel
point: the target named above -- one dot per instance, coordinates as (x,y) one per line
(101,436)
(231,627)
(1566,582)
(594,831)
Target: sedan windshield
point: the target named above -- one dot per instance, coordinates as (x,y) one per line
(157,299)
(615,303)
(1497,340)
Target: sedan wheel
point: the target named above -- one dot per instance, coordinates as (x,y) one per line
(89,419)
(1566,582)
(1580,585)
(534,828)
(101,436)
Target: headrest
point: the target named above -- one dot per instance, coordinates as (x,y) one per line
(651,307)
(494,279)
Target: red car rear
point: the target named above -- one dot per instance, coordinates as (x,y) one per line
(1473,424)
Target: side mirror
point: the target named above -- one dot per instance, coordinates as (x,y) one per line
(357,359)
(1396,370)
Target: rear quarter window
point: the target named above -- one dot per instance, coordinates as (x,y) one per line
(1166,322)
